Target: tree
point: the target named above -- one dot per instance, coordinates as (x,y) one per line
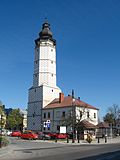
(74,117)
(112,115)
(14,120)
(2,120)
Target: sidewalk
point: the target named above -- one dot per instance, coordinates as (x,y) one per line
(95,141)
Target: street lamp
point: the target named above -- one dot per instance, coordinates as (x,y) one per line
(73,118)
(1,118)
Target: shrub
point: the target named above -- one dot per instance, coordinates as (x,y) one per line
(3,141)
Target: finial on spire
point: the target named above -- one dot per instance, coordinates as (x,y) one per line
(45,15)
(46,19)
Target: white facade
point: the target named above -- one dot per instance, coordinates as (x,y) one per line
(88,114)
(44,88)
(45,64)
(56,117)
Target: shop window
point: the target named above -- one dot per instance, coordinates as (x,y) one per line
(44,115)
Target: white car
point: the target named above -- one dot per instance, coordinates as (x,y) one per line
(8,132)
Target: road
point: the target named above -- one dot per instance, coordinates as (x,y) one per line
(32,150)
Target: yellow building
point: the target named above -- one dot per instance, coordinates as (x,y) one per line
(2,116)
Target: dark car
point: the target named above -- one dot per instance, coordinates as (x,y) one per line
(43,136)
(52,135)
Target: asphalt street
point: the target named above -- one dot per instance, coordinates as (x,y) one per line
(32,150)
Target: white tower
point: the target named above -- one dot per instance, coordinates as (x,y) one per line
(44,88)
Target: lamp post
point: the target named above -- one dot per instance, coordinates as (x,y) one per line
(1,118)
(73,117)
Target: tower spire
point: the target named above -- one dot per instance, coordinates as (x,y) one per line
(45,33)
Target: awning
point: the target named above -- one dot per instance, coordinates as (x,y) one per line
(87,124)
(103,125)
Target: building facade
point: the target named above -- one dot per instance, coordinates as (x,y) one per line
(62,110)
(24,119)
(46,103)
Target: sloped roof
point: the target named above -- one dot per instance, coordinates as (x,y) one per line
(87,124)
(23,112)
(103,125)
(67,102)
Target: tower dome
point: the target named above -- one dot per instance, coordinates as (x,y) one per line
(45,33)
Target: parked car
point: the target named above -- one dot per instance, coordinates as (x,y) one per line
(62,135)
(29,135)
(52,135)
(57,135)
(43,136)
(15,134)
(2,132)
(8,132)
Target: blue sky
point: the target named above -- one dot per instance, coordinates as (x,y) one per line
(88,48)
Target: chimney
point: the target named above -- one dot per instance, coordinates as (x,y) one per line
(61,97)
(79,98)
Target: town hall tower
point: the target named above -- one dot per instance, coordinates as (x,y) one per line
(44,88)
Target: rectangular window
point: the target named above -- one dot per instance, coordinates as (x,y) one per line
(94,115)
(44,115)
(88,115)
(63,114)
(80,114)
(57,114)
(48,114)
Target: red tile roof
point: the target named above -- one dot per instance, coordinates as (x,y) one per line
(67,102)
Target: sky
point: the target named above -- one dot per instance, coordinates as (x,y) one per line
(88,49)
